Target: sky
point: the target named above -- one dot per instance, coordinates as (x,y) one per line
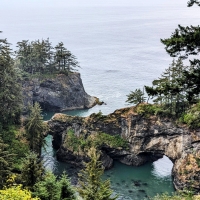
(21,3)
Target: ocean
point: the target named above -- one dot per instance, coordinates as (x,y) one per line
(117,44)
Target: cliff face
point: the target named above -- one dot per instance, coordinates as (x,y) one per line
(57,94)
(149,138)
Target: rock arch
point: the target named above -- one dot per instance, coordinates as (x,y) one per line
(149,139)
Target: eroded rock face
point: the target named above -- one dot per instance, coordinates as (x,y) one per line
(57,94)
(149,138)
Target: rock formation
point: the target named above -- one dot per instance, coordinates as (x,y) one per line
(61,93)
(148,137)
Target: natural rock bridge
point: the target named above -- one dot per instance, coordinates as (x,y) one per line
(149,138)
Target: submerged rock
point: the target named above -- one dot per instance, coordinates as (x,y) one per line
(137,183)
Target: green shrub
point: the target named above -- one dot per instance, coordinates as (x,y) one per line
(114,141)
(149,109)
(192,116)
(183,195)
(82,143)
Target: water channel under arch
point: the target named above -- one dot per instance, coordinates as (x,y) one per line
(130,182)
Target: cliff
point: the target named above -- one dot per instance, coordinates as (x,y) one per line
(148,138)
(60,93)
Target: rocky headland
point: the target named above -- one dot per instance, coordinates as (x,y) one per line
(131,138)
(57,93)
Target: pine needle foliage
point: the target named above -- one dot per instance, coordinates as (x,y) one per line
(6,162)
(136,97)
(48,189)
(35,129)
(52,189)
(92,187)
(192,2)
(32,170)
(66,190)
(10,88)
(184,42)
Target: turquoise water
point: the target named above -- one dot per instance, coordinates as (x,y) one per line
(139,182)
(130,182)
(117,43)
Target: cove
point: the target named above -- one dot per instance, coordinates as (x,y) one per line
(128,181)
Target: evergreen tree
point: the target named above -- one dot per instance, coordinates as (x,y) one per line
(50,67)
(136,97)
(91,185)
(10,88)
(52,189)
(66,191)
(185,41)
(48,189)
(168,91)
(192,2)
(32,170)
(35,128)
(24,56)
(39,57)
(5,162)
(64,59)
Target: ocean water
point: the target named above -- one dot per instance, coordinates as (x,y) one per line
(117,44)
(128,182)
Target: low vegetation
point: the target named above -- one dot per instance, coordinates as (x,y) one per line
(175,94)
(187,195)
(82,143)
(192,116)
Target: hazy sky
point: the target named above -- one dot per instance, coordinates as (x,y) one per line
(22,3)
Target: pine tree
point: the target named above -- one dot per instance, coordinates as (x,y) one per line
(32,170)
(192,2)
(23,54)
(64,59)
(66,191)
(168,91)
(5,162)
(50,67)
(35,128)
(47,189)
(53,189)
(92,187)
(136,97)
(10,87)
(185,41)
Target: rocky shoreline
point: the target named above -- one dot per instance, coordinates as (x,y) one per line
(148,138)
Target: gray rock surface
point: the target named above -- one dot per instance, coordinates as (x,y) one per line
(149,138)
(57,94)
